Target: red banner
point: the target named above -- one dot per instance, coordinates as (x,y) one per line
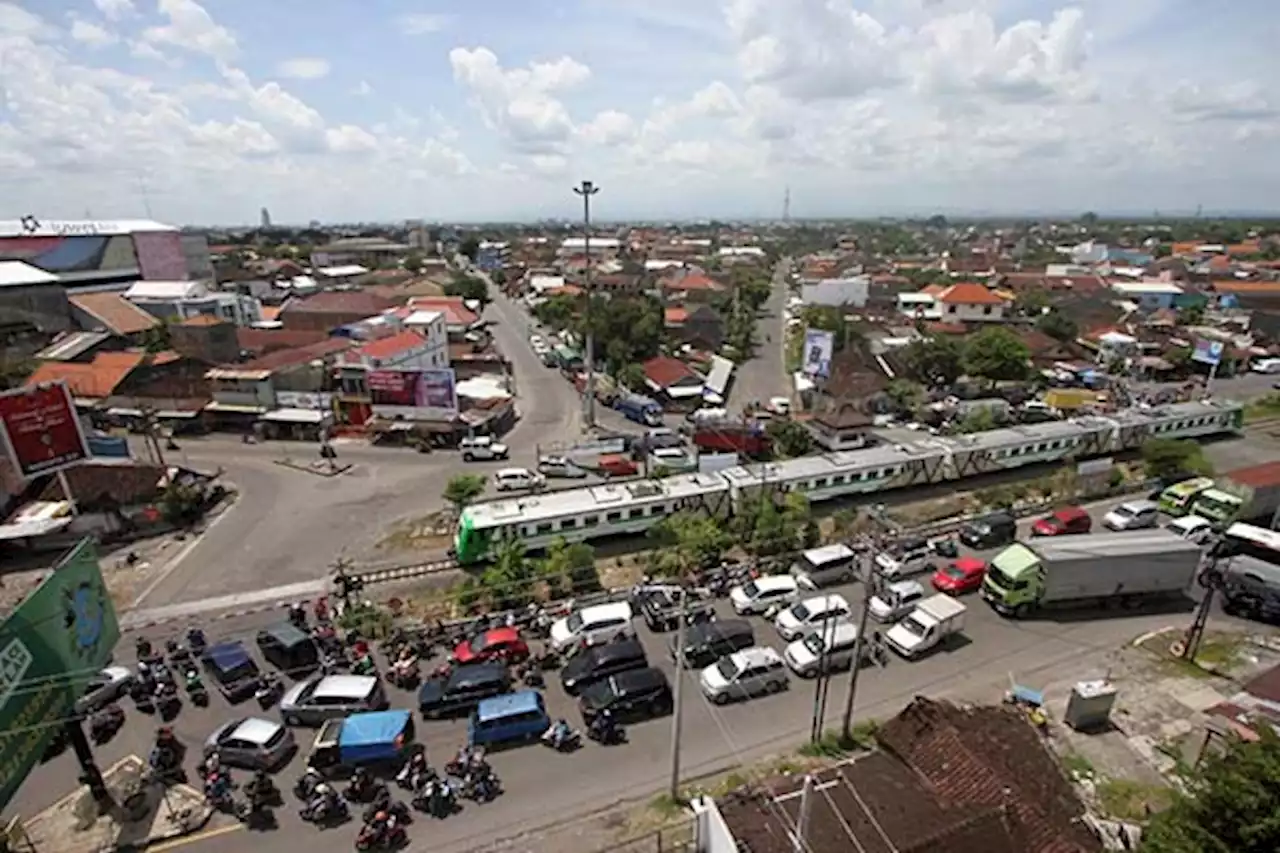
(41,429)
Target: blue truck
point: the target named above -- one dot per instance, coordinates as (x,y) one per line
(642,410)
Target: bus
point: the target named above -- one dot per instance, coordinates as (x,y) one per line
(1177,499)
(1247,540)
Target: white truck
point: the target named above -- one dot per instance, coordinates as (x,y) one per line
(935,618)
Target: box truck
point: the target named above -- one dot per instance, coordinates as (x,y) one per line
(933,620)
(1246,494)
(1099,569)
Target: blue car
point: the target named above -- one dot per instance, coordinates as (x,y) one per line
(514,717)
(375,739)
(233,670)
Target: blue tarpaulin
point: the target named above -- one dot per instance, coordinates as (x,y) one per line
(374,736)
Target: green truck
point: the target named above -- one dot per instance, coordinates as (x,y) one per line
(1251,495)
(1089,570)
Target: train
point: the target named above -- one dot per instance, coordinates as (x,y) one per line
(633,507)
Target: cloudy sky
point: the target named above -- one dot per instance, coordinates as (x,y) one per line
(356,110)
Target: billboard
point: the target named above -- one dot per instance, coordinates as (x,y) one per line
(818,346)
(50,647)
(429,395)
(1208,352)
(40,429)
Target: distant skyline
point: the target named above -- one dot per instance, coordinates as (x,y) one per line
(491,110)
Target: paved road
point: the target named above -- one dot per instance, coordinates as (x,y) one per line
(543,787)
(765,375)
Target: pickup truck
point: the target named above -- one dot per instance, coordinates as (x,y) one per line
(933,620)
(482,448)
(659,605)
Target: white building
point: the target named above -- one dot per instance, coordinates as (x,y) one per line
(600,247)
(836,292)
(182,300)
(966,302)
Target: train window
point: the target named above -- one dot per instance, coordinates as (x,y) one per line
(613,516)
(545,527)
(568,523)
(636,513)
(591,521)
(657,509)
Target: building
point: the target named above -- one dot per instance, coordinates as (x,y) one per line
(700,326)
(324,312)
(690,284)
(31,301)
(264,218)
(851,291)
(181,300)
(340,275)
(672,381)
(366,251)
(102,253)
(409,350)
(492,255)
(120,385)
(206,338)
(110,312)
(600,248)
(966,302)
(459,320)
(1148,295)
(243,394)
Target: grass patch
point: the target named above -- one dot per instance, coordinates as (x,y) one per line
(1221,652)
(372,622)
(1077,765)
(832,745)
(668,806)
(1127,800)
(1262,408)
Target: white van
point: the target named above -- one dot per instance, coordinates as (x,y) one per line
(826,650)
(515,479)
(591,626)
(826,566)
(808,615)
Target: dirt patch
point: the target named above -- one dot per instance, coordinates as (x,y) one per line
(433,532)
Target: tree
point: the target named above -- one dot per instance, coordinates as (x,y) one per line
(996,354)
(468,287)
(157,338)
(934,361)
(1089,219)
(510,576)
(1032,302)
(1171,457)
(1058,326)
(462,490)
(789,439)
(977,419)
(1231,803)
(575,563)
(687,542)
(906,395)
(470,247)
(1191,315)
(413,260)
(631,376)
(829,319)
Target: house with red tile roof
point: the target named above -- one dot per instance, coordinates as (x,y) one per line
(673,380)
(458,318)
(690,284)
(110,312)
(966,302)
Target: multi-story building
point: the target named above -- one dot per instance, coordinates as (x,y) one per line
(182,300)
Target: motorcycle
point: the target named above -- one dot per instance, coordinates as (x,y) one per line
(383,802)
(104,724)
(217,791)
(305,787)
(269,690)
(326,811)
(176,652)
(561,738)
(404,674)
(481,786)
(196,641)
(388,837)
(437,798)
(261,790)
(363,789)
(414,775)
(167,701)
(465,763)
(196,689)
(606,732)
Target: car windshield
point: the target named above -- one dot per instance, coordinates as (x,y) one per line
(726,669)
(953,572)
(574,622)
(814,643)
(1125,511)
(913,626)
(800,612)
(481,641)
(751,589)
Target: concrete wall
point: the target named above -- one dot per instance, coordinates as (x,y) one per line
(44,306)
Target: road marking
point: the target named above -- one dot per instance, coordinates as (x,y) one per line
(176,559)
(194,838)
(186,609)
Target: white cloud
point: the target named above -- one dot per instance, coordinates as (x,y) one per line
(609,127)
(190,27)
(304,68)
(421,24)
(521,103)
(145,50)
(114,10)
(349,139)
(17,21)
(363,89)
(91,34)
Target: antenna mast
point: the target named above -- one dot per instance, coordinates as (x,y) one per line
(786,205)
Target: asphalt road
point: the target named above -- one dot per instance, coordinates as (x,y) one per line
(543,787)
(765,375)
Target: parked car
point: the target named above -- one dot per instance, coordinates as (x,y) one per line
(960,576)
(461,690)
(518,479)
(895,600)
(592,625)
(601,662)
(103,689)
(911,556)
(504,644)
(559,466)
(324,697)
(617,465)
(631,696)
(482,448)
(829,649)
(233,670)
(1132,515)
(757,596)
(707,642)
(1067,521)
(1191,527)
(252,743)
(741,675)
(805,616)
(990,531)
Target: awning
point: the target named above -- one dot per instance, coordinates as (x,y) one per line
(165,414)
(296,416)
(683,392)
(235,408)
(718,378)
(34,527)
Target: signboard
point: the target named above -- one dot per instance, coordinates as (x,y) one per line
(50,647)
(314,401)
(41,430)
(414,394)
(818,346)
(1208,352)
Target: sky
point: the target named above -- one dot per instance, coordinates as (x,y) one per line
(383,110)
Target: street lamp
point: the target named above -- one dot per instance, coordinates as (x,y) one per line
(587,190)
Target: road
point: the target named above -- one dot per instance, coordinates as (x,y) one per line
(543,787)
(765,375)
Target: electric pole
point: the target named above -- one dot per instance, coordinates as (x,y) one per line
(846,725)
(679,695)
(587,190)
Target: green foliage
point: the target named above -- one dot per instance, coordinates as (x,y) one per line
(830,319)
(790,439)
(631,377)
(997,354)
(157,338)
(771,529)
(468,287)
(628,329)
(1057,325)
(509,578)
(1032,302)
(1232,803)
(1191,315)
(559,312)
(686,542)
(978,419)
(470,247)
(906,395)
(180,504)
(1167,457)
(934,361)
(463,489)
(575,563)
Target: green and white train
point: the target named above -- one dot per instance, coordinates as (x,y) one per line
(613,509)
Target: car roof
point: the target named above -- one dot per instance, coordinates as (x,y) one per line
(344,686)
(514,472)
(478,673)
(969,563)
(837,631)
(228,655)
(1191,522)
(772,582)
(625,648)
(1068,512)
(255,730)
(719,628)
(639,679)
(601,612)
(501,634)
(520,702)
(821,603)
(1140,506)
(904,587)
(755,656)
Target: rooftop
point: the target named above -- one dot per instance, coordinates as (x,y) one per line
(113,312)
(22,274)
(70,345)
(166,290)
(342,271)
(455,311)
(280,359)
(32,227)
(969,293)
(665,371)
(385,348)
(97,379)
(363,302)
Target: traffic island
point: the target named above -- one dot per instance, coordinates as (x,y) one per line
(144,813)
(321,468)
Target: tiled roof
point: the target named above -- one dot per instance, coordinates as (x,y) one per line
(385,347)
(665,371)
(340,302)
(94,381)
(203,320)
(262,341)
(91,484)
(280,359)
(115,313)
(691,281)
(1236,286)
(968,293)
(455,312)
(675,316)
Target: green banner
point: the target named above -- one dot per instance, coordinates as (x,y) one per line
(50,647)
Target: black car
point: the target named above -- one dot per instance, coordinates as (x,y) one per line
(990,531)
(600,662)
(463,688)
(707,642)
(660,607)
(289,648)
(631,696)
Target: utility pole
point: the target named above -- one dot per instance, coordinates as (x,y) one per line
(822,684)
(679,696)
(587,190)
(846,724)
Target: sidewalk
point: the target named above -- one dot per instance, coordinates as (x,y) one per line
(238,604)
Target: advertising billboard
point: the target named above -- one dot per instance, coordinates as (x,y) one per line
(428,395)
(818,346)
(50,647)
(1208,352)
(40,429)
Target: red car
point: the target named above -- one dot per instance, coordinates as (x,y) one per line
(963,575)
(1063,522)
(495,644)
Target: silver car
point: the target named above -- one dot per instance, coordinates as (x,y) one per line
(104,688)
(252,743)
(324,697)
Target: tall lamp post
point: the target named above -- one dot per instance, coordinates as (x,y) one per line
(587,190)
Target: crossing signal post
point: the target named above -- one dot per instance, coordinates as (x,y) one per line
(346,583)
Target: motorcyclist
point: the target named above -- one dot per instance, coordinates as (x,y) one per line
(361,782)
(195,639)
(323,802)
(603,726)
(559,733)
(364,665)
(414,770)
(321,609)
(380,826)
(260,788)
(167,751)
(191,680)
(298,615)
(217,785)
(142,648)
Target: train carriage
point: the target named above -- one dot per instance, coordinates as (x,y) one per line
(1191,420)
(1032,444)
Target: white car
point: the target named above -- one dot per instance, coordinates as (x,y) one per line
(104,688)
(741,675)
(779,406)
(482,448)
(763,593)
(559,466)
(1191,527)
(518,479)
(591,626)
(828,649)
(1134,515)
(809,615)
